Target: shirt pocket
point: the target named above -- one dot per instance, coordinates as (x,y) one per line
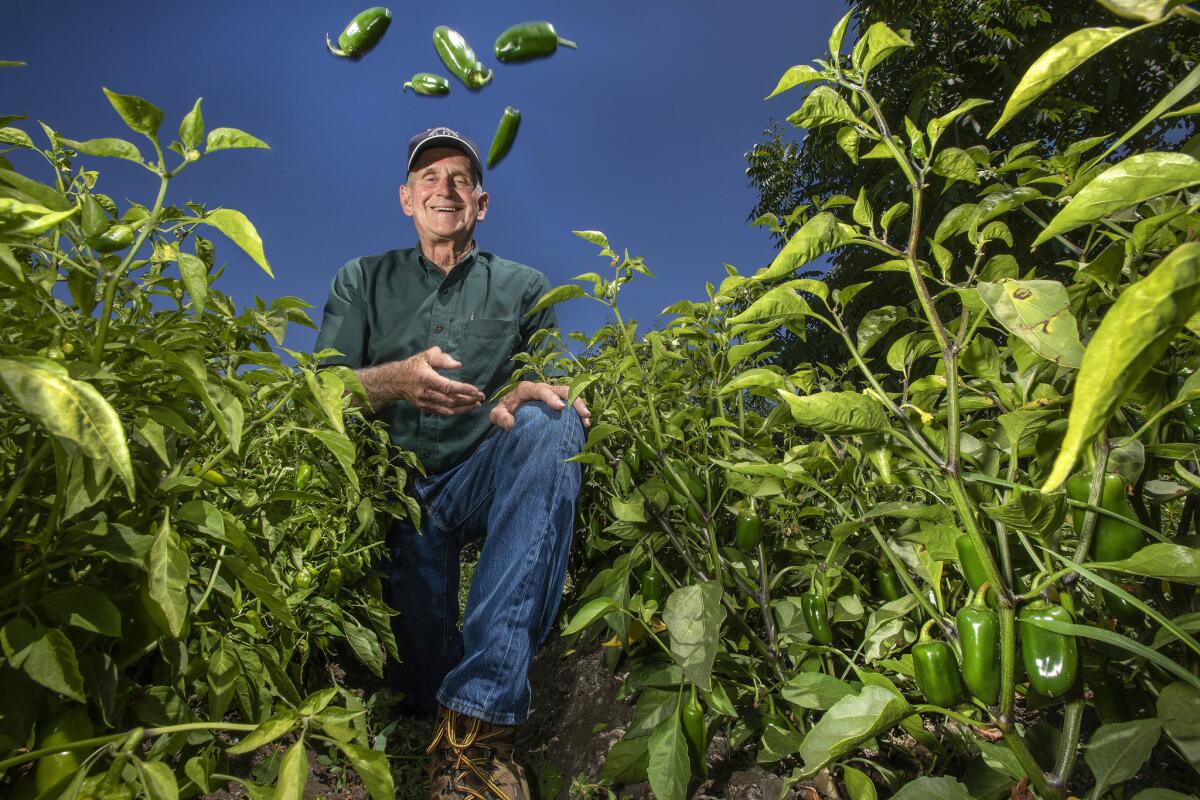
(490,344)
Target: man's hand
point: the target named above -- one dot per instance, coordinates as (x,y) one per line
(417,379)
(504,414)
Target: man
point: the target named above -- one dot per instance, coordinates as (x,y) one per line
(431,332)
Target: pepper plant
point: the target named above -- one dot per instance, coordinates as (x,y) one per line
(914,526)
(188,521)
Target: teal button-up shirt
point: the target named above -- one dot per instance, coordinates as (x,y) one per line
(394,305)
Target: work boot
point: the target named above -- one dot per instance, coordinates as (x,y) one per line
(473,760)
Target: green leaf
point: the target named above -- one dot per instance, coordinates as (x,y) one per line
(343,450)
(1030,512)
(229,138)
(73,411)
(594,610)
(795,76)
(191,128)
(850,722)
(858,784)
(1178,708)
(293,773)
(693,615)
(12,63)
(1135,180)
(316,702)
(756,378)
(159,780)
(1170,562)
(167,567)
(195,279)
(557,295)
(823,106)
(815,690)
(839,33)
(267,731)
(111,148)
(633,510)
(1141,10)
(140,115)
(816,237)
(372,768)
(929,788)
(668,769)
(1132,338)
(782,304)
(16,137)
(837,413)
(237,227)
(1117,751)
(46,655)
(1039,312)
(328,392)
(954,163)
(84,607)
(938,125)
(1055,64)
(847,139)
(875,324)
(882,41)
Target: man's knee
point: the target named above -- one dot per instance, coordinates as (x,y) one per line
(536,418)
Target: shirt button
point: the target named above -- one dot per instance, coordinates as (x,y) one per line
(444,292)
(438,329)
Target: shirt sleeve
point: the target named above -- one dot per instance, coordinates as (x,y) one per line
(544,318)
(344,324)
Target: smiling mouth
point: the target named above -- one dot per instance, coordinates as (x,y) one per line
(445,209)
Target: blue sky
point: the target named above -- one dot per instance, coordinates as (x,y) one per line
(641,133)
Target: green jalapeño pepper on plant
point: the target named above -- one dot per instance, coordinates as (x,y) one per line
(1113,540)
(652,586)
(527,40)
(70,725)
(428,83)
(888,583)
(749,531)
(115,238)
(816,617)
(506,134)
(362,34)
(303,475)
(979,637)
(970,561)
(1109,695)
(459,58)
(1051,659)
(304,578)
(693,730)
(938,678)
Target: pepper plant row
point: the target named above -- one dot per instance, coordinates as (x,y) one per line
(986,519)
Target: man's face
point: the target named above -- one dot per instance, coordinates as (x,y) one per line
(441,196)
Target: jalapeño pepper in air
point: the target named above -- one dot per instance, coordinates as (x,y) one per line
(936,669)
(459,58)
(749,531)
(1051,659)
(527,40)
(427,83)
(1113,540)
(979,638)
(816,617)
(693,730)
(363,33)
(506,134)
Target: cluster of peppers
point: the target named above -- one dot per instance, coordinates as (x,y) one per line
(521,42)
(1051,659)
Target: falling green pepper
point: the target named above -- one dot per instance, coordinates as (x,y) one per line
(1051,659)
(693,731)
(506,133)
(459,58)
(937,674)
(816,617)
(748,531)
(363,33)
(1113,539)
(979,638)
(428,83)
(527,40)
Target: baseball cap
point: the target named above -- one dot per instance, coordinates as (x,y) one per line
(444,137)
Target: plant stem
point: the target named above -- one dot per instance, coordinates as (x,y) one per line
(1068,746)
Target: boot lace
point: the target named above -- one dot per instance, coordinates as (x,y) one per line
(470,754)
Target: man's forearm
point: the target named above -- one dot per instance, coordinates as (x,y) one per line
(381,384)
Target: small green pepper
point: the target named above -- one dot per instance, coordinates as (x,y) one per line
(1113,540)
(363,33)
(506,134)
(1051,659)
(979,637)
(888,583)
(652,586)
(937,674)
(1109,695)
(214,477)
(749,531)
(303,475)
(304,578)
(459,58)
(333,581)
(693,731)
(428,83)
(527,40)
(816,616)
(116,237)
(971,562)
(65,727)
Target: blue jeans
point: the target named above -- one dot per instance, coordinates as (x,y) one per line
(518,492)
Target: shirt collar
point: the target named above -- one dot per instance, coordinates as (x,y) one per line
(464,265)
